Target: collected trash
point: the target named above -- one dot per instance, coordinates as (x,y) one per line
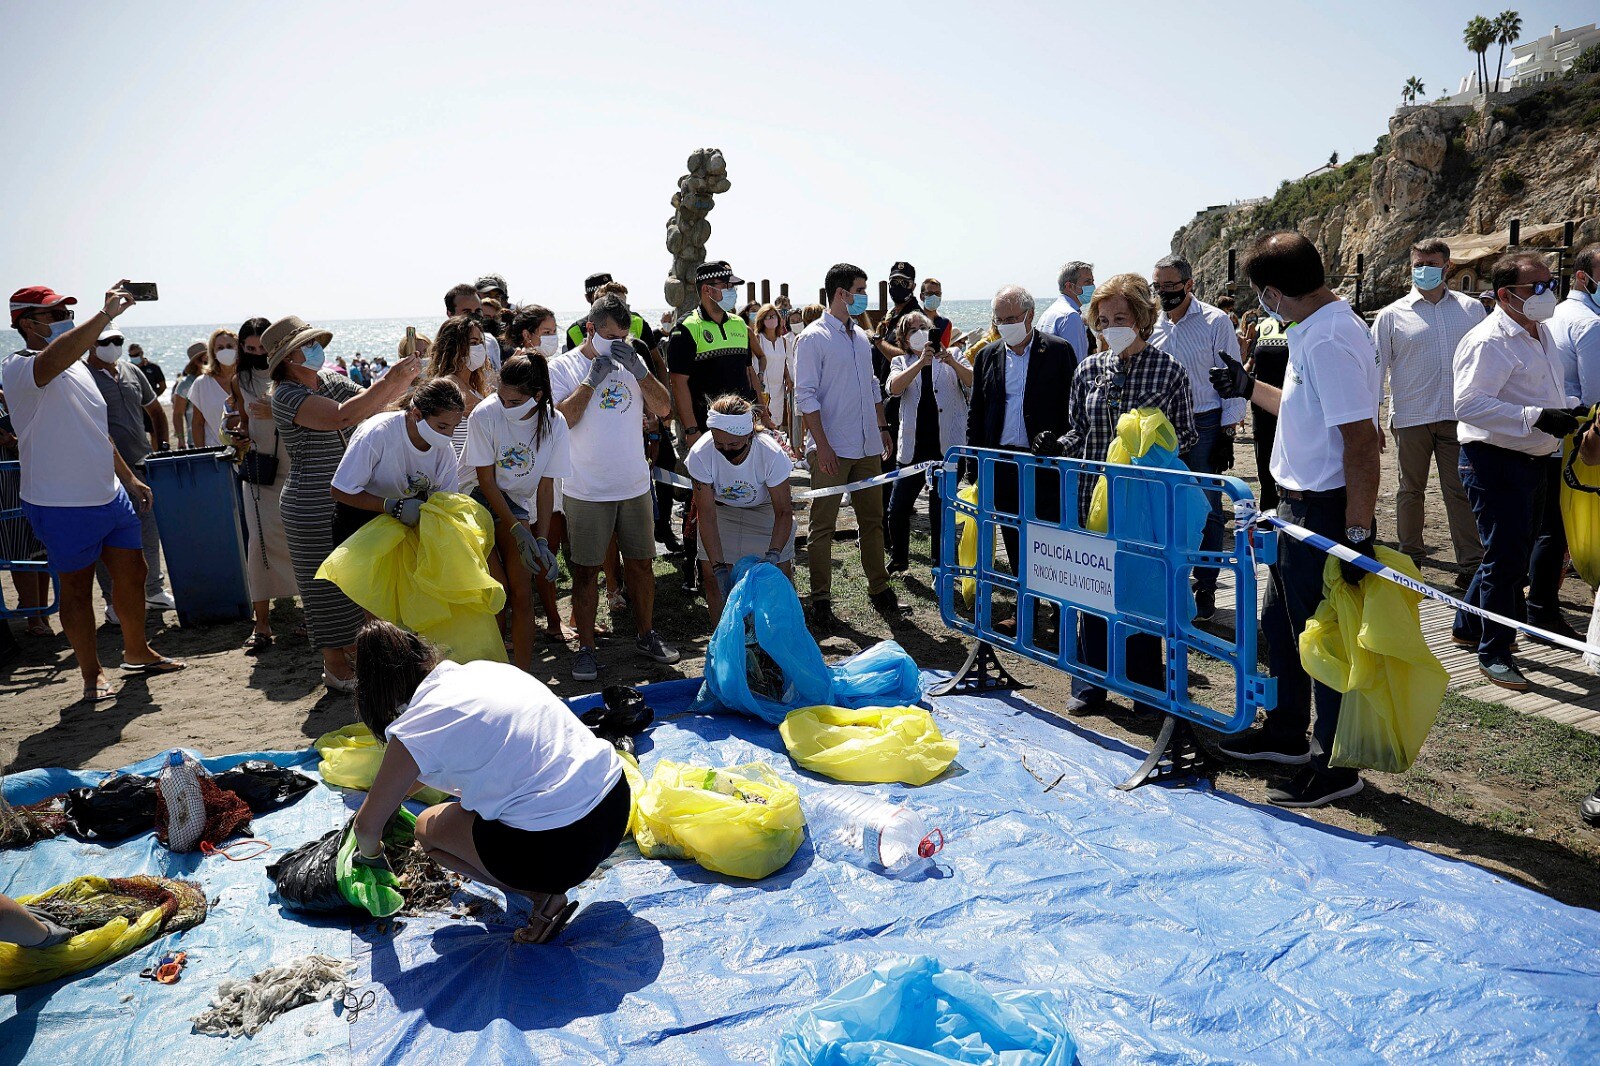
(1366,642)
(167,969)
(351,757)
(111,917)
(244,1008)
(914,1012)
(868,744)
(858,827)
(180,808)
(323,876)
(265,786)
(883,675)
(744,821)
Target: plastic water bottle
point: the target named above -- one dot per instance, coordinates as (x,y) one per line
(186,808)
(863,829)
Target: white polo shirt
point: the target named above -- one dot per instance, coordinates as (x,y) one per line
(1333,379)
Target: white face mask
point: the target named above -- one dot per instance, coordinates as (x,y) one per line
(1013,333)
(550,345)
(518,410)
(433,436)
(1541,306)
(477,355)
(227,356)
(1118,338)
(108,353)
(918,339)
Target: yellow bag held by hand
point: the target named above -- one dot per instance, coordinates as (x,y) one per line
(1580,504)
(868,745)
(350,759)
(743,821)
(1366,642)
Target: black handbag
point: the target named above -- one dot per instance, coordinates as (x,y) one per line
(259,468)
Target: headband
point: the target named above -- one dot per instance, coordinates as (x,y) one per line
(742,425)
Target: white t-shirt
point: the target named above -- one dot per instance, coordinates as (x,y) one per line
(62,436)
(496,439)
(744,485)
(1333,379)
(506,745)
(211,400)
(608,462)
(382,460)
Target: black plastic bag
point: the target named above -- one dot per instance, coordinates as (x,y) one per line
(307,879)
(123,805)
(263,785)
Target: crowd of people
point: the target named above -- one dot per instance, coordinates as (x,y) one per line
(572,440)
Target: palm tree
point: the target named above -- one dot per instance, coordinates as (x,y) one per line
(1414,88)
(1507,30)
(1478,36)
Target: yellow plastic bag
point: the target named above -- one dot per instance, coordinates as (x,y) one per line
(433,579)
(1138,431)
(967,543)
(870,745)
(350,759)
(1580,513)
(636,786)
(743,821)
(173,904)
(1366,642)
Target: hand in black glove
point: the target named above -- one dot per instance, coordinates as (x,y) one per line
(1556,422)
(1047,444)
(1231,379)
(1353,573)
(1221,457)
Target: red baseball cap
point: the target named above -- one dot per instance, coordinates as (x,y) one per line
(33,298)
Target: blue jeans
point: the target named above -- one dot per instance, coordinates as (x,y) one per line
(1198,459)
(1506,490)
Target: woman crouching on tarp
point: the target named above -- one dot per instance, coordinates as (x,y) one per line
(741,486)
(542,800)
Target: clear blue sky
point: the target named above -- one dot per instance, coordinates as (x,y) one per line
(354,160)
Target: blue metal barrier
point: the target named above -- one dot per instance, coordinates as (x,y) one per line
(1134,579)
(14,534)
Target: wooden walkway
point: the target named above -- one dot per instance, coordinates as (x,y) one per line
(1563,690)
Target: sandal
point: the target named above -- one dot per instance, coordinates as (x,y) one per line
(98,692)
(38,627)
(258,642)
(162,665)
(528,934)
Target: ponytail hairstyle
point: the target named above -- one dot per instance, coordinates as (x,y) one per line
(436,396)
(526,319)
(529,373)
(391,664)
(448,355)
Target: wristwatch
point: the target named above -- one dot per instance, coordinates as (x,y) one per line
(1357,534)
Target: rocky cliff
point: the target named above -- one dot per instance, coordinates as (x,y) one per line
(1439,171)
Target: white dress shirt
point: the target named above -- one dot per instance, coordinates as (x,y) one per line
(833,377)
(1194,341)
(1332,381)
(1014,429)
(1064,319)
(1504,379)
(1416,346)
(1575,328)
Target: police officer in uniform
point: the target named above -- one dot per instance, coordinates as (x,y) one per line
(637,329)
(1325,461)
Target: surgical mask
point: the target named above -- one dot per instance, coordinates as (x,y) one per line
(770,322)
(1013,333)
(932,301)
(918,339)
(1276,315)
(1118,338)
(729,300)
(58,328)
(899,293)
(1540,306)
(227,356)
(518,410)
(1084,294)
(1171,300)
(433,436)
(314,356)
(477,355)
(1427,278)
(550,345)
(858,304)
(108,353)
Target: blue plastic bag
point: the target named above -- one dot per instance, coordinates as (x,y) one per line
(882,676)
(764,599)
(914,1012)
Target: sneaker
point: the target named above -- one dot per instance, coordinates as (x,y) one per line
(111,617)
(1090,704)
(1461,640)
(887,603)
(1503,672)
(1316,786)
(585,667)
(1553,622)
(161,601)
(898,567)
(651,646)
(1205,605)
(1590,808)
(1256,745)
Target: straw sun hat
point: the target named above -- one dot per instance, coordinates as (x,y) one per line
(288,334)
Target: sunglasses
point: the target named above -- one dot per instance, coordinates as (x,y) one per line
(52,314)
(1537,288)
(111,340)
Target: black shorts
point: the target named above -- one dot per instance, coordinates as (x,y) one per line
(553,860)
(347,519)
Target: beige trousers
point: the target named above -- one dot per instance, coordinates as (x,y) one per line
(824,514)
(1433,443)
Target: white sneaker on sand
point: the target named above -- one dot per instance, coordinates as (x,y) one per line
(161,601)
(111,617)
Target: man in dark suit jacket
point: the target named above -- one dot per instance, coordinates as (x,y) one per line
(1020,385)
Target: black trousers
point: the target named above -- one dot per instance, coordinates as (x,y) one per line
(902,505)
(1549,557)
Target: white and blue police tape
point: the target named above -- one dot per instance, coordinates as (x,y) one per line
(670,478)
(1250,516)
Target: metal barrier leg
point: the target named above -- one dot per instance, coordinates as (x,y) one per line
(1177,753)
(982,672)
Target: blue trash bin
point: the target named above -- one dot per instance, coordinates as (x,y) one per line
(201,537)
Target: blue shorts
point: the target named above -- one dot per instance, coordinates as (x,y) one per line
(74,536)
(517,510)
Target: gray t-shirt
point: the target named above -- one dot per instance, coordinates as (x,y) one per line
(127,392)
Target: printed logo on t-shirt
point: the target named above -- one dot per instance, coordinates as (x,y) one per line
(418,485)
(616,397)
(737,492)
(515,458)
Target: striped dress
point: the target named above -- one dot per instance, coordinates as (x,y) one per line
(307,506)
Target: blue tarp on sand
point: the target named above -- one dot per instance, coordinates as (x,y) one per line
(1181,926)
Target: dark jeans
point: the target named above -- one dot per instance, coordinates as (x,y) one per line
(1142,659)
(1549,556)
(1198,459)
(902,504)
(1264,428)
(1046,504)
(1506,490)
(1292,598)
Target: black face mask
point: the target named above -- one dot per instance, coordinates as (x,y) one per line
(735,455)
(1171,300)
(899,293)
